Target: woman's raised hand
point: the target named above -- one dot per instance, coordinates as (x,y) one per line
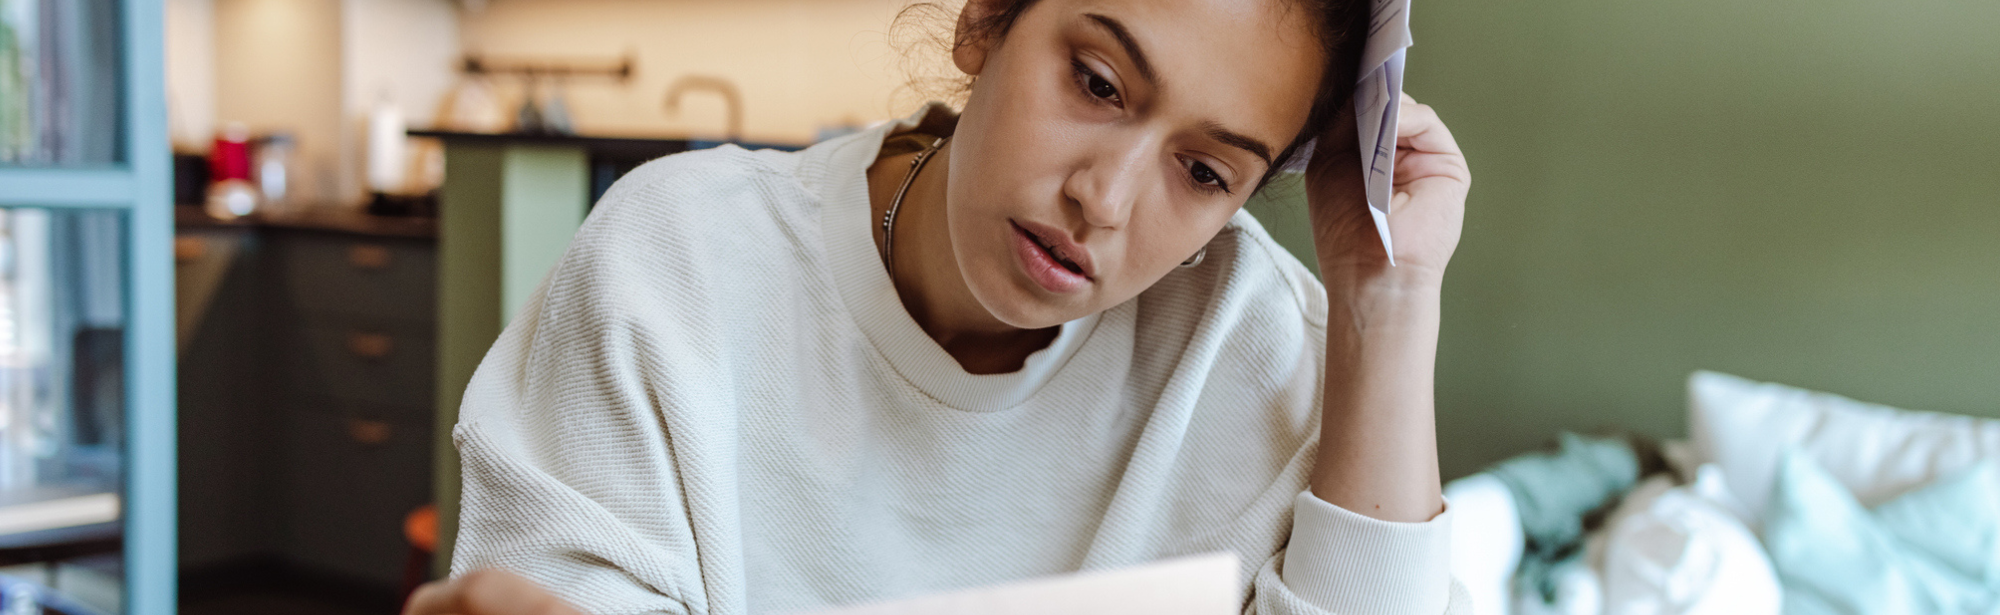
(1427,206)
(486,592)
(1378,435)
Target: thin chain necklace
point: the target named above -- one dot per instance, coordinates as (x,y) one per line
(889,218)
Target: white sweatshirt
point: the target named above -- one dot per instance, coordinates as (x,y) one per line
(716,404)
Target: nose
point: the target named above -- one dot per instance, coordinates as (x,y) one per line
(1107,183)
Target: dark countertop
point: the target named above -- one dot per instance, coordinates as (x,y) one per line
(316,218)
(613,145)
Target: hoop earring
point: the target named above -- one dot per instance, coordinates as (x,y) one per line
(1196,259)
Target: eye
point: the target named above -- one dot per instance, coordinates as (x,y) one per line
(1096,86)
(1206,177)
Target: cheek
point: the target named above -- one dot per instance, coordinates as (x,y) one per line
(1011,154)
(1157,244)
(1015,139)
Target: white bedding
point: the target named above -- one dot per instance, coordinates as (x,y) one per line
(1692,548)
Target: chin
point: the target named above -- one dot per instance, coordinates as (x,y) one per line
(1013,299)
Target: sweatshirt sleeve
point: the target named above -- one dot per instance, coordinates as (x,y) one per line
(1340,562)
(571,473)
(553,439)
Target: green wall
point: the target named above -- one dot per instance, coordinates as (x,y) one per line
(1804,192)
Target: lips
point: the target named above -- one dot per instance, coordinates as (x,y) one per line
(1056,254)
(1050,258)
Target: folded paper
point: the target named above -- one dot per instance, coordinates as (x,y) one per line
(1376,100)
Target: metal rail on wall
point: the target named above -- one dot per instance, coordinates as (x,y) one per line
(620,69)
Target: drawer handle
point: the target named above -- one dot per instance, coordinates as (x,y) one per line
(369,432)
(188,249)
(371,346)
(368,256)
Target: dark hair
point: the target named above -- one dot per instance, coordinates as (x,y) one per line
(1342,30)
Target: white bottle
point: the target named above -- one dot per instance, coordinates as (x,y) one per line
(388,164)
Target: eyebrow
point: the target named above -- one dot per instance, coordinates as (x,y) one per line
(1138,55)
(1237,140)
(1131,45)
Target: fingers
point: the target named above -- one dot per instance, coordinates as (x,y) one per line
(486,592)
(434,598)
(1420,129)
(498,592)
(1425,148)
(1419,165)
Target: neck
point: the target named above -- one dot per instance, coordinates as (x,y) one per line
(927,277)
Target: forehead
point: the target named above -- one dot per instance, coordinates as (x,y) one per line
(1253,65)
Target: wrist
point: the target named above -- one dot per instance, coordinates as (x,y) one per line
(1379,276)
(1407,292)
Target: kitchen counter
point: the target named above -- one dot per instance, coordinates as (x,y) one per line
(626,147)
(659,145)
(605,157)
(349,220)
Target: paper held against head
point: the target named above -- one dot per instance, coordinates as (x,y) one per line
(1377,94)
(1376,100)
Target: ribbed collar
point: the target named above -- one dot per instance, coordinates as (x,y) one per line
(837,171)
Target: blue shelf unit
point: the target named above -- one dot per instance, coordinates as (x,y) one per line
(138,187)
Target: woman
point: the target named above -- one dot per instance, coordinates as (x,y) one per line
(1027,339)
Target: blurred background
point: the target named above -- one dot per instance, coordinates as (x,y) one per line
(1795,192)
(362,191)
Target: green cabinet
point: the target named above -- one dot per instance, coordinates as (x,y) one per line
(308,406)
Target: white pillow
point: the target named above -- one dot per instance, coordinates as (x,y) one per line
(1579,591)
(1486,540)
(1680,553)
(1876,451)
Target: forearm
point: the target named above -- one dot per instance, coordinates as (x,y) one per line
(1378,436)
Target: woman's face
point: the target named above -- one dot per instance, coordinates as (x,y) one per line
(1106,141)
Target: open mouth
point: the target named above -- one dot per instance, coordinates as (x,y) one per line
(1050,259)
(1055,255)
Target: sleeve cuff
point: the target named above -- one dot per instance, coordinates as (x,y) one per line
(1345,562)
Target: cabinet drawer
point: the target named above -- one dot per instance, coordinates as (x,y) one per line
(378,362)
(347,484)
(362,414)
(379,278)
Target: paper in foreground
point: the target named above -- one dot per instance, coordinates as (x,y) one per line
(1198,585)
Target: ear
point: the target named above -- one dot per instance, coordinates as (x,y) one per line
(969,45)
